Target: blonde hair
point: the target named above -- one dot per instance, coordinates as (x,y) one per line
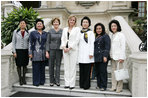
(72,17)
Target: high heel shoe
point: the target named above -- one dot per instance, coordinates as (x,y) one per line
(71,88)
(112,90)
(51,84)
(58,84)
(66,86)
(118,91)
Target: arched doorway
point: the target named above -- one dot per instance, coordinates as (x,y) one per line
(33,4)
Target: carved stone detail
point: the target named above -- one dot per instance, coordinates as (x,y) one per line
(87,4)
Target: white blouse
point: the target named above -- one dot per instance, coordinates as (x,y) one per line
(73,38)
(86,49)
(118,46)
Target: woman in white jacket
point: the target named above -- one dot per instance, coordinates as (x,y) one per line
(117,53)
(69,44)
(86,52)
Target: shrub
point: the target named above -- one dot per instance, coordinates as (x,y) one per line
(11,22)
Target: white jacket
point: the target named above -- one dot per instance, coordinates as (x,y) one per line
(86,49)
(118,46)
(73,38)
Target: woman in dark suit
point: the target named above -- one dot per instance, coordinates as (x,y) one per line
(20,43)
(37,52)
(101,54)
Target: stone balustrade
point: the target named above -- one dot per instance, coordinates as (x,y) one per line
(8,72)
(139,74)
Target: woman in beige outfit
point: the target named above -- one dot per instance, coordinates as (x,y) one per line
(117,53)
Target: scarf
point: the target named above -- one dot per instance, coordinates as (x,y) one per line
(85,34)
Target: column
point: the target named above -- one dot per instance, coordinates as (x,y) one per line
(139,74)
(59,4)
(7,8)
(44,4)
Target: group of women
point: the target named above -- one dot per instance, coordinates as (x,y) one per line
(75,46)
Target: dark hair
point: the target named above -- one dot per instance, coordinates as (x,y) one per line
(55,19)
(102,26)
(22,20)
(40,20)
(117,23)
(87,18)
(19,23)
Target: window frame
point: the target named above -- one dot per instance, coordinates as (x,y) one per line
(141,13)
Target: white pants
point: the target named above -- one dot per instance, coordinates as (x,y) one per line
(70,60)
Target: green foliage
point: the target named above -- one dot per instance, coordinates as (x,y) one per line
(11,22)
(140,28)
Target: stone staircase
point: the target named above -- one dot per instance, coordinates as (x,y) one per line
(74,92)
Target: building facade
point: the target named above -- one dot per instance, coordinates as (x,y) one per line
(97,11)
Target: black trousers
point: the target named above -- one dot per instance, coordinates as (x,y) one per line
(38,72)
(101,74)
(85,70)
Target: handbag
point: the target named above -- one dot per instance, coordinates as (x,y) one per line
(121,74)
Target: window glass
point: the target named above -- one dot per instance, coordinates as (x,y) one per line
(139,4)
(139,14)
(140,10)
(143,10)
(143,4)
(142,15)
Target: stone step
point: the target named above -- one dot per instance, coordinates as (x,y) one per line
(62,70)
(92,92)
(93,82)
(62,63)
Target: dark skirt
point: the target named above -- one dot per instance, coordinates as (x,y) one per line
(22,58)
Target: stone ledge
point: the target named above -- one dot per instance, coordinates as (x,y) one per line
(77,91)
(6,53)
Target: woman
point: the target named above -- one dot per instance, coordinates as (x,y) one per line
(53,47)
(20,43)
(101,54)
(70,39)
(86,52)
(117,53)
(37,52)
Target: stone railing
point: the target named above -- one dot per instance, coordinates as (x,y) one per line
(136,61)
(8,68)
(139,74)
(8,72)
(7,8)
